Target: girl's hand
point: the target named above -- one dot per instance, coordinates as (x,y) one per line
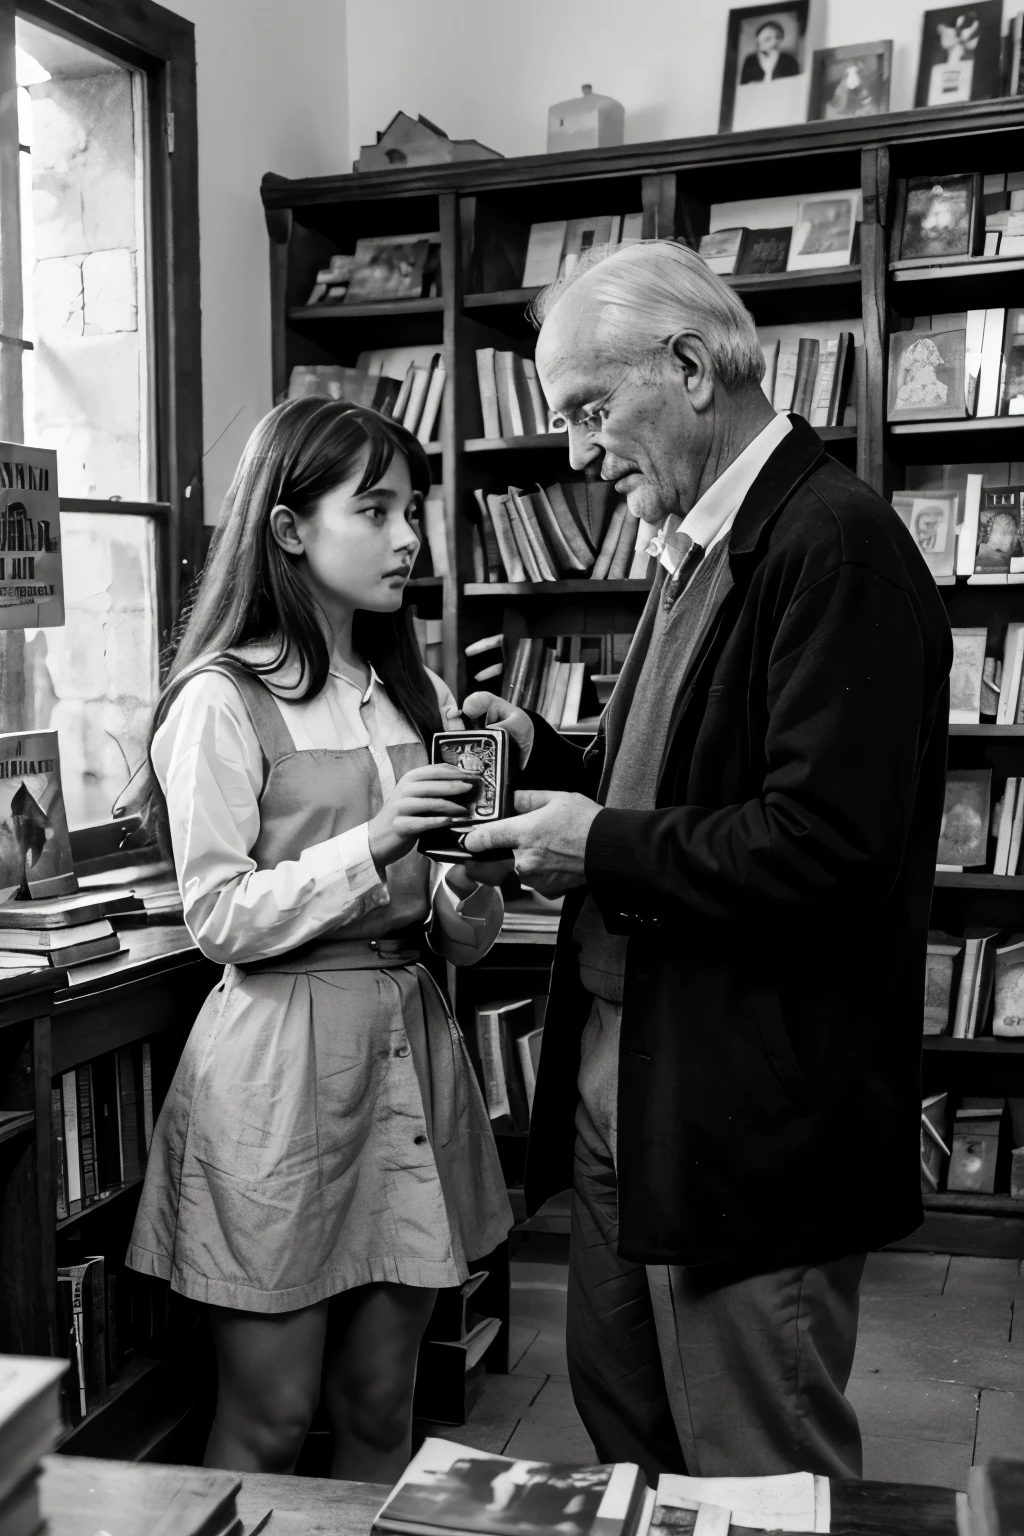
(464,879)
(423,800)
(498,711)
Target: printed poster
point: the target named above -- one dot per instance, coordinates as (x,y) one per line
(35,848)
(31,568)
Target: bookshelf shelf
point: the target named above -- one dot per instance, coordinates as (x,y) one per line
(101,1203)
(394,309)
(1004,732)
(974,1205)
(987,1045)
(502,299)
(955,283)
(580,588)
(140,1372)
(547,440)
(14,1122)
(971,426)
(1004,884)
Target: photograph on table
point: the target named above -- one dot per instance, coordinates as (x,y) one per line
(938,216)
(850,82)
(960,54)
(766,56)
(926,375)
(825,231)
(931,519)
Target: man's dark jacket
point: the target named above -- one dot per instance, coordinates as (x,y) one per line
(776,900)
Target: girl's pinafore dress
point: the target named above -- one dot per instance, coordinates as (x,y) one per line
(324,1128)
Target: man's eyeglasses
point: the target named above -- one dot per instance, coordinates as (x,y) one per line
(591,418)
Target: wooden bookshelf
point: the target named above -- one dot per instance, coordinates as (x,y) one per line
(480,207)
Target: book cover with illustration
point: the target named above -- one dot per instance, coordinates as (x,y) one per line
(31,571)
(35,848)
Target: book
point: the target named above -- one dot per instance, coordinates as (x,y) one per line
(963,837)
(536,555)
(60,1180)
(487,383)
(538,404)
(595,501)
(386,267)
(87,1131)
(496,508)
(991,363)
(47,940)
(931,518)
(528,1046)
(808,352)
(764,251)
(84,1281)
(821,402)
(31,566)
(571,530)
(1004,828)
(770,350)
(72,1147)
(965,676)
(967,541)
(623,556)
(606,553)
(435,530)
(977,977)
(934,1140)
(129,1088)
(721,250)
(510,412)
(417,395)
(564,542)
(36,861)
(940,974)
(1007,538)
(431,405)
(788,1501)
(544,253)
(497,1026)
(785,375)
(1008,1003)
(1013,658)
(460,1490)
(106,1113)
(69,911)
(147,1094)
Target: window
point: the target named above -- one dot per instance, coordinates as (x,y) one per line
(99,361)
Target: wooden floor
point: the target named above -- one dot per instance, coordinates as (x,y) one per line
(938,1379)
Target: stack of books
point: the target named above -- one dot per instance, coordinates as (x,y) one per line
(63,931)
(414,398)
(512,403)
(101,1126)
(508,1042)
(574,530)
(458,1490)
(810,376)
(30,1423)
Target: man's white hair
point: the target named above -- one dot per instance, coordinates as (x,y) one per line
(652,289)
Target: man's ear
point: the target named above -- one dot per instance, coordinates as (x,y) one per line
(285,528)
(693,362)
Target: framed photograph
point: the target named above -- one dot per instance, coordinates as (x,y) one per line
(851,81)
(765,250)
(766,57)
(926,375)
(825,230)
(960,54)
(931,518)
(939,216)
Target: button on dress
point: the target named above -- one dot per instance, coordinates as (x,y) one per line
(324,1128)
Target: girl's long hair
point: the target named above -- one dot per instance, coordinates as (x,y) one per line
(250,589)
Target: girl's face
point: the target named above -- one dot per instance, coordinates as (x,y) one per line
(359,548)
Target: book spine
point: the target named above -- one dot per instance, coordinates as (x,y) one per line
(824,384)
(538,404)
(608,547)
(504,537)
(86,1132)
(488,391)
(488,1039)
(545,560)
(967,542)
(641,559)
(147,1095)
(573,694)
(60,1184)
(431,405)
(524,543)
(785,375)
(509,412)
(404,390)
(417,395)
(623,556)
(571,530)
(527,1067)
(564,552)
(559,692)
(131,1163)
(806,373)
(991,359)
(72,1145)
(536,663)
(96,1328)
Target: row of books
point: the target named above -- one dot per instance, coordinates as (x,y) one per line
(975,834)
(512,403)
(508,1043)
(382,268)
(974,986)
(983,686)
(101,1125)
(986,545)
(414,400)
(560,679)
(105,1313)
(555,245)
(810,376)
(977,1149)
(966,364)
(570,529)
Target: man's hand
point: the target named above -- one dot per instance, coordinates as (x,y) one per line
(549,838)
(463,879)
(488,709)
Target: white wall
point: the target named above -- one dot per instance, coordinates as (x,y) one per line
(489,69)
(272,97)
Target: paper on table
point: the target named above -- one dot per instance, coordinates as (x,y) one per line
(783,1503)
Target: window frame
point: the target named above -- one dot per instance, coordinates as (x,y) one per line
(152,39)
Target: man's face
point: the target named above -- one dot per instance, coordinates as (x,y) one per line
(648,439)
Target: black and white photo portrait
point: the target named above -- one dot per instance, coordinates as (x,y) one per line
(766,57)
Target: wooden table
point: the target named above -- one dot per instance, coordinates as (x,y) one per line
(82,1497)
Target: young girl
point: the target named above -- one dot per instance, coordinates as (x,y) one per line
(324,1160)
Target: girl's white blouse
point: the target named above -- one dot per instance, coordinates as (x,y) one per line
(207,760)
